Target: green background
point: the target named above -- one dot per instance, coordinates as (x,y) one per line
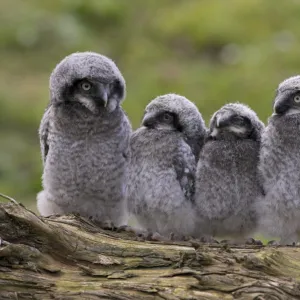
(211,51)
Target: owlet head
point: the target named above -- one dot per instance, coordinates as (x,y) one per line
(87,78)
(235,121)
(287,100)
(173,112)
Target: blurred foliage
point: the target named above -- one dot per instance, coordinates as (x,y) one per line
(211,51)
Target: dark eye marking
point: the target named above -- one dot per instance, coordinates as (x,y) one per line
(117,88)
(241,121)
(170,118)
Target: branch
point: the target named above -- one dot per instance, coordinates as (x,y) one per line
(68,257)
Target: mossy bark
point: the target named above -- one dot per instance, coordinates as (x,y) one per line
(68,257)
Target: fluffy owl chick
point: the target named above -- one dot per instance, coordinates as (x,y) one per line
(84,137)
(162,169)
(227,183)
(280,165)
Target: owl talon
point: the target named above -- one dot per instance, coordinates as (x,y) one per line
(108,225)
(233,242)
(125,228)
(273,243)
(208,240)
(252,241)
(172,236)
(157,237)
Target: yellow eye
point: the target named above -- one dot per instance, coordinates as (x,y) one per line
(86,86)
(297,98)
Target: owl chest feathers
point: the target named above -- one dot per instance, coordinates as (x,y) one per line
(91,156)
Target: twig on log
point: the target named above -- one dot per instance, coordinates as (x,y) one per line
(9,198)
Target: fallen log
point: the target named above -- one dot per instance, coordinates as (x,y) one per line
(68,257)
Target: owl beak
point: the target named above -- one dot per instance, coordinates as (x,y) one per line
(280,109)
(149,120)
(105,99)
(104,93)
(282,104)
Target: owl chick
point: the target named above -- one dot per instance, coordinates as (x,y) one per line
(227,183)
(84,136)
(280,165)
(162,169)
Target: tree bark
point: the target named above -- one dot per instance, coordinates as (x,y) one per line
(68,257)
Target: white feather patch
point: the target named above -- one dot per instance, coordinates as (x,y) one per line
(237,129)
(293,111)
(215,132)
(88,103)
(163,126)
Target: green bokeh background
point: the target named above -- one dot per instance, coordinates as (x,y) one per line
(211,51)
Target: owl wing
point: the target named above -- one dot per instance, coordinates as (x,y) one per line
(196,143)
(185,167)
(44,133)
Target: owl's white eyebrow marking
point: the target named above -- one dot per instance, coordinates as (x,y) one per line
(215,132)
(293,111)
(86,102)
(237,129)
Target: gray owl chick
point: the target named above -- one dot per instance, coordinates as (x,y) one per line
(162,169)
(84,137)
(227,183)
(280,165)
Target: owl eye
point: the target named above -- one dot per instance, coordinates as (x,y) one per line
(297,98)
(86,86)
(167,117)
(238,120)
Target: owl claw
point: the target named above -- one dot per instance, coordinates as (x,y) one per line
(252,241)
(208,239)
(273,243)
(106,225)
